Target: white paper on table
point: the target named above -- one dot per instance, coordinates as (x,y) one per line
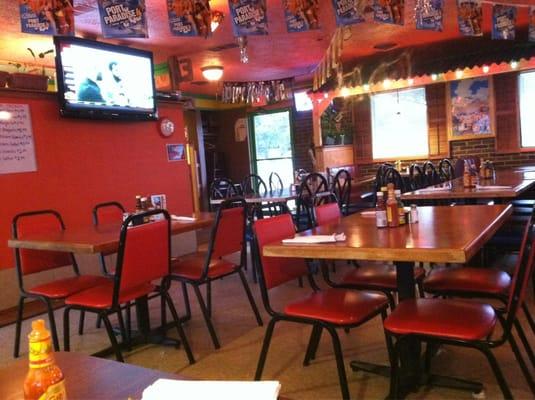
(434,189)
(491,187)
(168,389)
(311,239)
(182,219)
(369,214)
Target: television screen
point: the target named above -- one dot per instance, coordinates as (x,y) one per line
(100,80)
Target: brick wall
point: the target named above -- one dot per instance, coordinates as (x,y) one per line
(302,131)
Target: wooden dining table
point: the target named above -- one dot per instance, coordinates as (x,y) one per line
(444,234)
(506,184)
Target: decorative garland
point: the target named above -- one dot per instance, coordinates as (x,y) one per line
(257,92)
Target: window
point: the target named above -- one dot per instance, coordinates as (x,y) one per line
(399,124)
(526,86)
(302,101)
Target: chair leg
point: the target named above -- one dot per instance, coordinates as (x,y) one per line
(497,372)
(421,291)
(339,362)
(521,362)
(81,323)
(128,320)
(52,320)
(265,348)
(206,316)
(66,329)
(251,298)
(525,342)
(394,367)
(209,297)
(163,313)
(124,333)
(99,322)
(529,317)
(185,295)
(18,326)
(179,329)
(111,335)
(313,343)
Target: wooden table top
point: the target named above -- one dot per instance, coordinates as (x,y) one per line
(97,239)
(86,377)
(514,183)
(443,234)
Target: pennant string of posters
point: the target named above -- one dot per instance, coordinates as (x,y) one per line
(123,19)
(257,92)
(189,18)
(39,17)
(331,63)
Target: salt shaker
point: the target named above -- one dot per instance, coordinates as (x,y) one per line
(414,214)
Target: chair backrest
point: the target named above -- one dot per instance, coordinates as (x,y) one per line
(253,184)
(522,272)
(144,252)
(380,174)
(416,177)
(30,261)
(327,213)
(313,184)
(222,188)
(275,271)
(275,182)
(445,170)
(228,232)
(430,174)
(392,175)
(341,187)
(110,212)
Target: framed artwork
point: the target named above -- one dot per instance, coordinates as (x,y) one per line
(175,152)
(159,201)
(470,104)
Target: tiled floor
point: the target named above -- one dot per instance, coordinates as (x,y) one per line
(241,340)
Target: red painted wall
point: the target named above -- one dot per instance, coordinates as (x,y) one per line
(83,162)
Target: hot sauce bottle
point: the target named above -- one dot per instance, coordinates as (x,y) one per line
(392,212)
(44,380)
(381,220)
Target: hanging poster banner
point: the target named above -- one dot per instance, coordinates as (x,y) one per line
(123,18)
(470,17)
(249,17)
(349,12)
(189,17)
(503,22)
(300,15)
(429,15)
(389,11)
(47,17)
(532,24)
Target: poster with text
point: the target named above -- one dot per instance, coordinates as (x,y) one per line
(47,17)
(301,15)
(470,17)
(123,18)
(249,17)
(470,107)
(389,11)
(532,23)
(503,22)
(189,17)
(349,12)
(429,16)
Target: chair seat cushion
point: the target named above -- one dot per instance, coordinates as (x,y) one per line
(445,318)
(62,288)
(191,267)
(338,306)
(102,296)
(489,281)
(378,276)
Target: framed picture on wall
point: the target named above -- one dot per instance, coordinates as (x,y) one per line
(470,104)
(175,152)
(159,201)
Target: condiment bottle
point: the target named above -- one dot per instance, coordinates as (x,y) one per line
(401,208)
(384,191)
(392,213)
(414,214)
(467,176)
(44,380)
(381,220)
(138,204)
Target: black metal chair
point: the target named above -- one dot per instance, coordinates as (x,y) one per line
(431,175)
(446,171)
(222,188)
(276,185)
(310,191)
(341,188)
(275,182)
(392,175)
(416,177)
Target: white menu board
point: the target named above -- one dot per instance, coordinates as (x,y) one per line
(17,153)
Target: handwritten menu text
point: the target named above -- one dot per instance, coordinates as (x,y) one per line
(17,152)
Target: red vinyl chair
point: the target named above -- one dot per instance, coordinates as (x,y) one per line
(326,309)
(143,257)
(380,278)
(227,237)
(463,323)
(29,262)
(107,213)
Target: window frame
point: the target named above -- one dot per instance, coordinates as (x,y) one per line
(522,149)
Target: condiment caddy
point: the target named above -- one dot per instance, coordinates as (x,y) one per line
(392,213)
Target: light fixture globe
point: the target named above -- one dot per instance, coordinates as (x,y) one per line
(212,72)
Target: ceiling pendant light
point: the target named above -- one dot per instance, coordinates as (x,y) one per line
(212,73)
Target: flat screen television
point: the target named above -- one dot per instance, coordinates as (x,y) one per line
(104,81)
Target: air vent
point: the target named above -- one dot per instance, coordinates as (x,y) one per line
(385,46)
(227,46)
(200,83)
